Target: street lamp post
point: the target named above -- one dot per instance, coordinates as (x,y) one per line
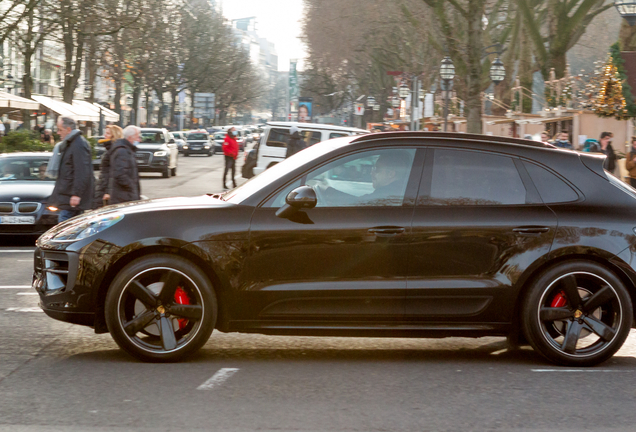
(627,9)
(447,74)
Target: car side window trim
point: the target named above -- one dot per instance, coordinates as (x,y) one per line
(412,184)
(532,194)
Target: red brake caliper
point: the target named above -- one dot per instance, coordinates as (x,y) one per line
(559,300)
(181,297)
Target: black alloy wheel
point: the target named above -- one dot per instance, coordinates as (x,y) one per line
(577,314)
(161,308)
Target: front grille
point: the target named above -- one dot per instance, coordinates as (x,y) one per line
(143,158)
(6,207)
(28,207)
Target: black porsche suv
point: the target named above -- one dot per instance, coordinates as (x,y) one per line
(391,234)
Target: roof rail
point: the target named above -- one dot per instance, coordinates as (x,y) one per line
(453,135)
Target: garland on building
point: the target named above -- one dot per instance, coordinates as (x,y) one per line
(609,100)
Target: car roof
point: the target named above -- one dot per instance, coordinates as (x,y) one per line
(26,154)
(453,136)
(154,130)
(317,126)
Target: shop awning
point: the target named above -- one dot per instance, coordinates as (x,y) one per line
(10,102)
(63,109)
(94,108)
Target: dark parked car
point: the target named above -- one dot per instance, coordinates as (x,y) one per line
(98,154)
(157,152)
(24,190)
(218,139)
(390,234)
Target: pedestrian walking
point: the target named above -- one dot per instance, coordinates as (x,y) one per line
(123,180)
(630,163)
(561,140)
(112,133)
(230,150)
(71,165)
(295,143)
(47,137)
(606,147)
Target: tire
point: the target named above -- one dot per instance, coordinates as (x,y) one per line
(209,153)
(186,154)
(166,173)
(173,171)
(577,313)
(145,322)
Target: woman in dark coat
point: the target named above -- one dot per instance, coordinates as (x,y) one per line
(111,134)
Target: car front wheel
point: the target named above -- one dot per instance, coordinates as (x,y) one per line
(577,313)
(161,308)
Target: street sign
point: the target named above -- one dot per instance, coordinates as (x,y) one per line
(204,105)
(359,109)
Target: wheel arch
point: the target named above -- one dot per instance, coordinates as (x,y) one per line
(194,258)
(527,280)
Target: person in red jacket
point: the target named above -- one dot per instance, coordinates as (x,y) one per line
(230,150)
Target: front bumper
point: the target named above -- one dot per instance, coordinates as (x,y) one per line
(157,164)
(57,278)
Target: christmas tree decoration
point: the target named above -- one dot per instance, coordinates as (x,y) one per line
(607,86)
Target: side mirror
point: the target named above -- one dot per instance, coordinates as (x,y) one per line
(303,197)
(172,141)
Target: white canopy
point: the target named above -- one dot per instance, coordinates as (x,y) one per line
(11,101)
(94,108)
(76,112)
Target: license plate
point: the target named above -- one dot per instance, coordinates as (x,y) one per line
(17,220)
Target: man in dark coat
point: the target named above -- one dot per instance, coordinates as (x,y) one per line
(73,192)
(295,143)
(124,176)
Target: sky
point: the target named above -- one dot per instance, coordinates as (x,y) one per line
(278,21)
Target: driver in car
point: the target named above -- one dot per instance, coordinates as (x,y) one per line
(388,176)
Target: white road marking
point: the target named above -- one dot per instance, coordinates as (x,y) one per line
(27,293)
(15,286)
(581,370)
(218,378)
(24,309)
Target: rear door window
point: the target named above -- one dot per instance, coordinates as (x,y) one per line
(461,178)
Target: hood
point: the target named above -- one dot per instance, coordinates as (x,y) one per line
(203,201)
(28,190)
(151,147)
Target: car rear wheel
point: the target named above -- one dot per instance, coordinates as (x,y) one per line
(577,314)
(161,308)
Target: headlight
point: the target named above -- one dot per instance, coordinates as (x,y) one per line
(86,228)
(207,147)
(185,146)
(161,153)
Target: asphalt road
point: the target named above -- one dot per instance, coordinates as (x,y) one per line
(60,377)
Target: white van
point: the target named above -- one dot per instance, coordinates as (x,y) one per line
(273,143)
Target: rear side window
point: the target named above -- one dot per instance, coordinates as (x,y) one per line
(472,178)
(337,135)
(280,137)
(277,138)
(551,188)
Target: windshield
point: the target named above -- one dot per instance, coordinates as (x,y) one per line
(152,138)
(279,170)
(24,169)
(197,137)
(219,136)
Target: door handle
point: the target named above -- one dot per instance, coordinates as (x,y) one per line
(531,230)
(386,231)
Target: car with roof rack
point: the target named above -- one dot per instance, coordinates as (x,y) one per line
(406,234)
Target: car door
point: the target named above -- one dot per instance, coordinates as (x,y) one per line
(344,260)
(478,224)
